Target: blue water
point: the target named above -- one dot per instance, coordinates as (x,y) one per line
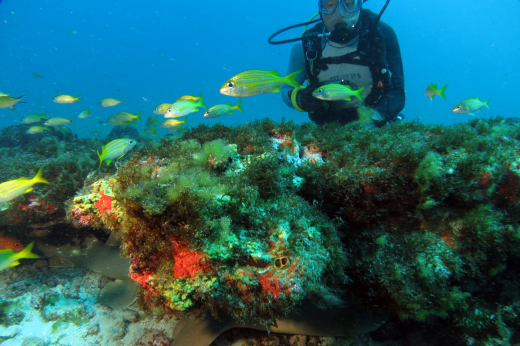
(154,52)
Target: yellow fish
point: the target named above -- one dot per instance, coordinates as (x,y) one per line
(10,102)
(162,108)
(58,121)
(15,188)
(9,258)
(37,129)
(254,82)
(431,91)
(109,102)
(66,99)
(190,97)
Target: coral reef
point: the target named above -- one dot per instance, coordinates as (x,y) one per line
(207,228)
(417,221)
(428,217)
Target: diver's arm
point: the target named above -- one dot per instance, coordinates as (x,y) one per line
(296,62)
(393,98)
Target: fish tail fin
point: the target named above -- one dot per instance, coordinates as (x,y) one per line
(38,178)
(238,106)
(46,128)
(138,115)
(71,121)
(358,94)
(200,96)
(121,101)
(108,162)
(486,104)
(77,98)
(201,101)
(442,92)
(291,79)
(19,97)
(44,116)
(26,253)
(100,159)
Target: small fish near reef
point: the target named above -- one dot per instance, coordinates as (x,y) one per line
(184,107)
(8,242)
(255,82)
(15,188)
(34,118)
(431,91)
(169,123)
(152,120)
(128,117)
(220,110)
(58,121)
(37,75)
(9,258)
(85,114)
(470,105)
(336,92)
(37,129)
(66,99)
(10,102)
(109,102)
(162,108)
(115,149)
(190,97)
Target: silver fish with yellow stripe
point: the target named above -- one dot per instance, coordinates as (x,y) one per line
(58,121)
(470,105)
(184,107)
(15,188)
(220,110)
(9,258)
(336,92)
(115,149)
(34,118)
(255,82)
(162,108)
(66,99)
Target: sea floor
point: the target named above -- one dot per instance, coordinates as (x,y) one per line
(42,306)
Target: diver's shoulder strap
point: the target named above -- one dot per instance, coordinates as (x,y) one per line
(312,49)
(372,49)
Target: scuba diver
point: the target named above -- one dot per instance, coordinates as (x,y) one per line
(349,46)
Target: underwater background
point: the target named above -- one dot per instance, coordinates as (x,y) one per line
(152,53)
(444,211)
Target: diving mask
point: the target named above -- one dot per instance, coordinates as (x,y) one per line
(328,7)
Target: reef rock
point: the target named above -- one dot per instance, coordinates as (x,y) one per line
(16,135)
(248,221)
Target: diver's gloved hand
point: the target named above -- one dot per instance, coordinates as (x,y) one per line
(306,101)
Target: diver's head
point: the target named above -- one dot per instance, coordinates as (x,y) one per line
(341,17)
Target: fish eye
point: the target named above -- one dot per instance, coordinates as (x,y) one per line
(320,90)
(17,244)
(231,84)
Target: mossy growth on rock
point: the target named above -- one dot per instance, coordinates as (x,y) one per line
(248,220)
(206,227)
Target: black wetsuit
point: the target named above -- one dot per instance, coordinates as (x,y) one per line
(378,50)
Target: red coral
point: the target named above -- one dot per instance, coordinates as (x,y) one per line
(104,204)
(188,263)
(268,284)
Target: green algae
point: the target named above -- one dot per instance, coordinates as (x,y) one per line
(427,217)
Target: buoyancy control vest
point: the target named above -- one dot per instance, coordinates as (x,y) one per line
(371,52)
